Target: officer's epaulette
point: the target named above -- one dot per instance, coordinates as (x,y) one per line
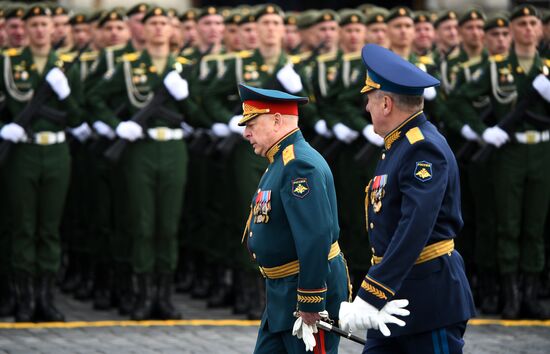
(547,62)
(245,54)
(187,52)
(184,60)
(115,47)
(67,57)
(11,52)
(454,54)
(326,57)
(89,56)
(471,62)
(414,135)
(131,56)
(426,60)
(288,154)
(352,56)
(296,59)
(497,58)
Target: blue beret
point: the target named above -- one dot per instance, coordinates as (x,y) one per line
(258,101)
(389,72)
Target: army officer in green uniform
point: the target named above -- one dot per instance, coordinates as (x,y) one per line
(292,231)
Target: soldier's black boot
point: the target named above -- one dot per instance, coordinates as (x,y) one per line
(45,308)
(488,292)
(222,292)
(102,287)
(242,294)
(143,308)
(185,274)
(86,287)
(512,299)
(24,298)
(531,307)
(165,309)
(203,283)
(7,296)
(124,289)
(73,275)
(257,304)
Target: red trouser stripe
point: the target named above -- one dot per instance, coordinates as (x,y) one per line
(320,347)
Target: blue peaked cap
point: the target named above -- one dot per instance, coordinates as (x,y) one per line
(387,71)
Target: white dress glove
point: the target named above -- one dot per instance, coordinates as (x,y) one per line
(104,130)
(176,85)
(345,134)
(322,129)
(430,93)
(361,315)
(187,130)
(542,85)
(59,83)
(234,124)
(129,130)
(13,132)
(468,133)
(495,136)
(290,80)
(221,130)
(82,132)
(371,136)
(305,332)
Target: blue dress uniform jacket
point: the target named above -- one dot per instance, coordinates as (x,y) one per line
(413,213)
(294,218)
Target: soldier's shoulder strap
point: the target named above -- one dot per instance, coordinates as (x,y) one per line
(12,52)
(187,52)
(546,62)
(323,58)
(497,58)
(471,62)
(298,58)
(245,54)
(426,60)
(351,56)
(414,135)
(89,55)
(288,154)
(130,57)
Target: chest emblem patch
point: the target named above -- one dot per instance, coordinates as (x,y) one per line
(262,207)
(423,171)
(300,187)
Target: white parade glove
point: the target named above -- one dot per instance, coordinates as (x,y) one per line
(290,79)
(394,307)
(104,130)
(221,130)
(430,93)
(322,129)
(361,315)
(176,85)
(187,130)
(305,332)
(234,124)
(468,133)
(495,136)
(371,136)
(129,130)
(542,85)
(59,83)
(13,132)
(82,132)
(345,134)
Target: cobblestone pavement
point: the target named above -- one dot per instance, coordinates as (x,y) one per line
(188,338)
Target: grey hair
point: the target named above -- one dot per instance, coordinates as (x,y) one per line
(406,103)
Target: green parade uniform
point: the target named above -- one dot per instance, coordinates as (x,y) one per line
(520,171)
(37,171)
(153,170)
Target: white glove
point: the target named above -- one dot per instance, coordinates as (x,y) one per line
(59,83)
(345,134)
(176,85)
(129,130)
(290,79)
(430,93)
(322,129)
(234,124)
(82,132)
(13,132)
(104,130)
(305,332)
(221,130)
(542,85)
(187,130)
(495,136)
(468,133)
(371,136)
(361,315)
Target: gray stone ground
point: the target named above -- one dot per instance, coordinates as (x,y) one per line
(205,339)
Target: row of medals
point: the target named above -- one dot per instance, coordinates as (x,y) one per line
(376,199)
(261,211)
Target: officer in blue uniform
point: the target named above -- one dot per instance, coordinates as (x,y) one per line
(413,216)
(292,231)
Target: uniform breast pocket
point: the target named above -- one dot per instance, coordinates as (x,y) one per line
(423,270)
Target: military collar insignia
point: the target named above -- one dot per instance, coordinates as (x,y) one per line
(395,134)
(282,143)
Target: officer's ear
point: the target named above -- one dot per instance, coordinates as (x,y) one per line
(387,104)
(277,120)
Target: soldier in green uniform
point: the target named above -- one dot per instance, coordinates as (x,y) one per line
(37,169)
(292,231)
(520,167)
(16,36)
(81,30)
(446,35)
(135,16)
(376,27)
(62,37)
(153,169)
(231,39)
(188,28)
(424,34)
(292,40)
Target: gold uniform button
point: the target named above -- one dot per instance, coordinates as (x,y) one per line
(250,234)
(259,190)
(254,255)
(383,156)
(371,225)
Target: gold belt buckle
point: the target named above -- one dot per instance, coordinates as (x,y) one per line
(43,138)
(162,134)
(531,137)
